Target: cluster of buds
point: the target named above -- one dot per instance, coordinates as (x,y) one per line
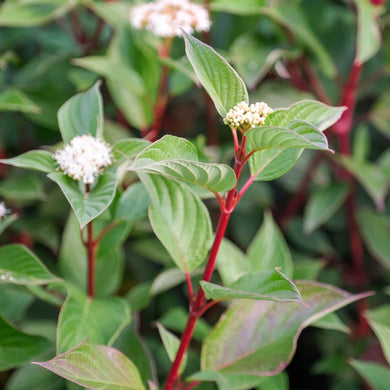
(84,158)
(244,116)
(164,18)
(3,210)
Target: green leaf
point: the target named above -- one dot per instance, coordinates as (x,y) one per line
(322,205)
(320,115)
(377,375)
(15,100)
(298,134)
(73,261)
(212,177)
(379,320)
(14,300)
(219,79)
(33,377)
(331,321)
(290,16)
(269,164)
(87,206)
(268,286)
(231,262)
(133,203)
(180,221)
(176,319)
(244,7)
(22,188)
(167,279)
(368,33)
(18,348)
(39,160)
(259,337)
(171,345)
(169,147)
(269,250)
(370,176)
(7,221)
(20,266)
(127,149)
(101,320)
(375,229)
(33,12)
(254,57)
(115,371)
(82,114)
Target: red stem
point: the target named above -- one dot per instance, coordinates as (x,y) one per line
(91,248)
(197,308)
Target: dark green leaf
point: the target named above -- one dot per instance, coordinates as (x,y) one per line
(17,348)
(322,204)
(15,100)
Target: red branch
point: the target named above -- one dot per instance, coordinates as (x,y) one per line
(198,307)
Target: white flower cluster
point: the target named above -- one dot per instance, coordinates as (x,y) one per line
(84,158)
(3,210)
(244,116)
(164,18)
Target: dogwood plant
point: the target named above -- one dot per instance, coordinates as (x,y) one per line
(264,309)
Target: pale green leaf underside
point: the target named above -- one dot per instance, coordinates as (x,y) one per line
(87,207)
(99,320)
(96,367)
(212,177)
(169,147)
(219,79)
(128,148)
(39,160)
(180,221)
(320,115)
(18,265)
(267,286)
(259,337)
(82,114)
(297,134)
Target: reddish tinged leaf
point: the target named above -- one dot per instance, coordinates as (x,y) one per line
(266,333)
(96,367)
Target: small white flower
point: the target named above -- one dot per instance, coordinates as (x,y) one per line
(3,211)
(84,158)
(164,18)
(244,117)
